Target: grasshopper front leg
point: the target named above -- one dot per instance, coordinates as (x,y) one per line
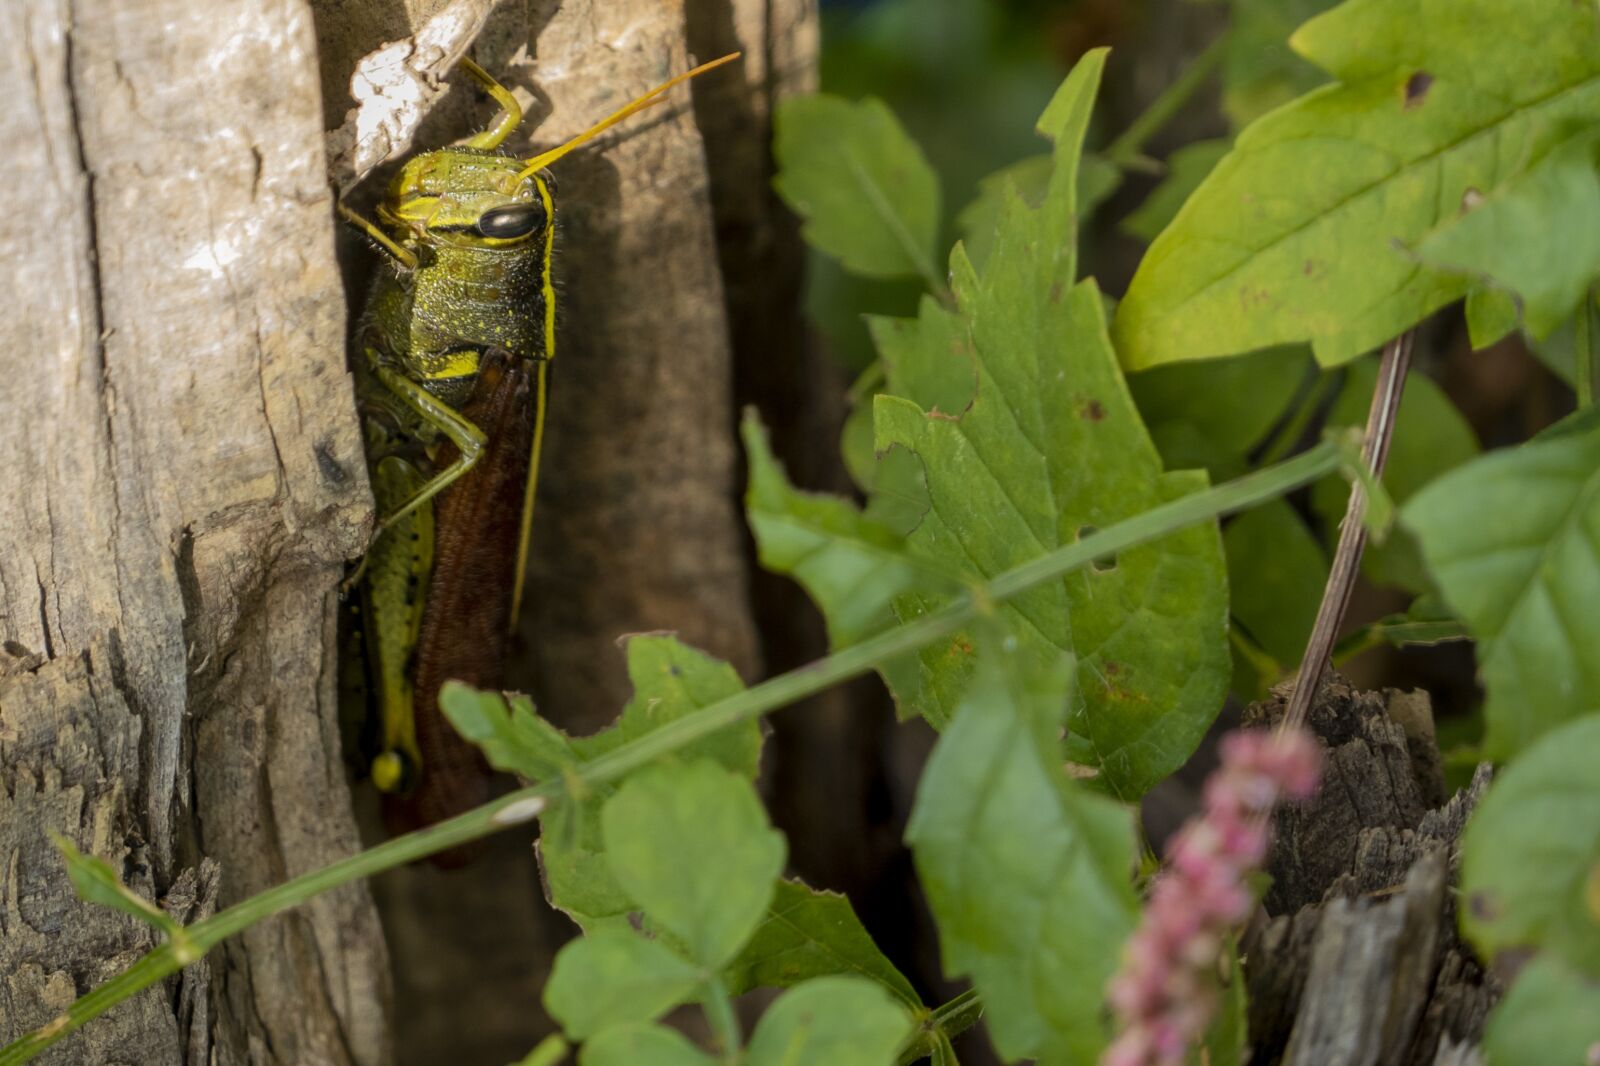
(467,437)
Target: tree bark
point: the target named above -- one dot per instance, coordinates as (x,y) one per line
(183,484)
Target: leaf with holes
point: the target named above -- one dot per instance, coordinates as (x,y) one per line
(1506,238)
(1027,437)
(1513,541)
(1302,232)
(863,187)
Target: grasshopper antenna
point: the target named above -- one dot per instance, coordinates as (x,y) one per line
(649,99)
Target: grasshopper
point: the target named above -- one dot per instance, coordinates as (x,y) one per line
(455,344)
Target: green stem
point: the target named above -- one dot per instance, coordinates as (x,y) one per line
(948,1019)
(1587,368)
(521,806)
(724,1022)
(1127,150)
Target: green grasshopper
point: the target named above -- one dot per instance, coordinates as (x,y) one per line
(471,232)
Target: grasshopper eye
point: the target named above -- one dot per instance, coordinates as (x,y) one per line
(505,223)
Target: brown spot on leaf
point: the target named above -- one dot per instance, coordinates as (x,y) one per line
(1094,410)
(1055,292)
(1483,907)
(1417,89)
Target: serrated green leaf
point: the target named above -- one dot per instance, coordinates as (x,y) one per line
(1211,414)
(95,881)
(1551,1016)
(860,183)
(1509,236)
(642,1045)
(1026,872)
(1027,439)
(1430,438)
(1513,541)
(690,844)
(1276,571)
(807,933)
(1259,70)
(670,680)
(615,977)
(850,565)
(1186,168)
(1530,858)
(1294,236)
(511,735)
(1026,178)
(841,1021)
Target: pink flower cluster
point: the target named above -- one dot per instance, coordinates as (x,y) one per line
(1166,991)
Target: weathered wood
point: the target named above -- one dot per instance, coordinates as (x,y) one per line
(181,487)
(1359,963)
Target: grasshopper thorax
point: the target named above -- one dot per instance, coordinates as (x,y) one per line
(468,198)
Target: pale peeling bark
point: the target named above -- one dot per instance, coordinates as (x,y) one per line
(182,484)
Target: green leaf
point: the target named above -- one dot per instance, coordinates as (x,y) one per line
(512,736)
(1228,1035)
(1507,236)
(1026,179)
(849,564)
(1430,438)
(690,844)
(614,977)
(1212,414)
(1551,1015)
(670,680)
(841,1021)
(1259,71)
(95,881)
(1299,233)
(1026,872)
(860,183)
(642,1045)
(806,934)
(1186,168)
(1491,316)
(1276,570)
(1028,439)
(1530,858)
(549,1051)
(1513,541)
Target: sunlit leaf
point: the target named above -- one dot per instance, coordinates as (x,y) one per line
(1509,236)
(1301,233)
(1027,438)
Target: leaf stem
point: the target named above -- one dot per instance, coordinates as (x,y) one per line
(948,1019)
(519,807)
(1128,149)
(724,1022)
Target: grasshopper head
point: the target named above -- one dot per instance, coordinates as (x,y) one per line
(471,198)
